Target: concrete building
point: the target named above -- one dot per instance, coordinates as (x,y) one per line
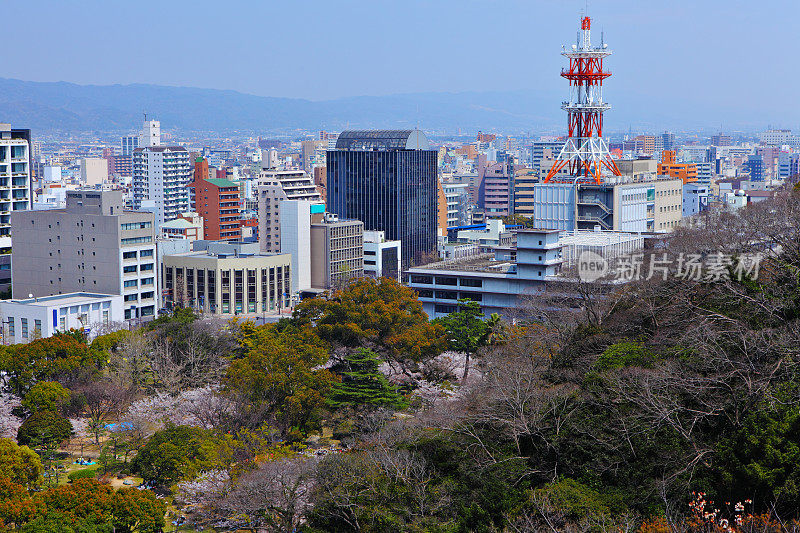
(668,205)
(498,286)
(525,181)
(492,233)
(337,251)
(16,178)
(151,134)
(52,174)
(457,203)
(129,143)
(94,171)
(496,193)
(27,319)
(687,172)
(295,238)
(695,199)
(187,226)
(629,207)
(160,177)
(381,256)
(218,203)
(227,284)
(776,137)
(93,245)
(274,186)
(638,169)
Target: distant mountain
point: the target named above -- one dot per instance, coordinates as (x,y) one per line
(48,106)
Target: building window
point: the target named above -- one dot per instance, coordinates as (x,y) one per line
(11,327)
(37,327)
(24,323)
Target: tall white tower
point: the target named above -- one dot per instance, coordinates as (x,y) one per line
(151,134)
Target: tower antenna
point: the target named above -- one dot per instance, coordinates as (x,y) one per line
(585,154)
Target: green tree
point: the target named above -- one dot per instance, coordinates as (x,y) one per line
(280,379)
(19,464)
(170,455)
(50,358)
(43,428)
(363,384)
(45,396)
(465,330)
(383,314)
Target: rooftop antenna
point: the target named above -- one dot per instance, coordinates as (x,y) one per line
(145,115)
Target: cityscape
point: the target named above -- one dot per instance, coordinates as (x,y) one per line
(314,310)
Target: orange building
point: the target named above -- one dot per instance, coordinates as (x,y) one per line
(669,167)
(217,201)
(442,210)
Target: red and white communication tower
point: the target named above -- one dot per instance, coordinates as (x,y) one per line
(585,154)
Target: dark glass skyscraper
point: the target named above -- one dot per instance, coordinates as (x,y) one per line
(387,179)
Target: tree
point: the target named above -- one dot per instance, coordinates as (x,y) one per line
(465,330)
(19,464)
(16,504)
(103,399)
(381,314)
(45,396)
(363,384)
(170,455)
(275,494)
(88,505)
(51,358)
(44,428)
(279,379)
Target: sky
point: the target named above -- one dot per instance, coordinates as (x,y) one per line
(675,52)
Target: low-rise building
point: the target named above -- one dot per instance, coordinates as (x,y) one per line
(24,320)
(227,284)
(498,286)
(381,256)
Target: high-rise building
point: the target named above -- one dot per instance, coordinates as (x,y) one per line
(160,177)
(92,245)
(388,180)
(275,186)
(217,201)
(16,180)
(755,164)
(151,134)
(496,193)
(129,143)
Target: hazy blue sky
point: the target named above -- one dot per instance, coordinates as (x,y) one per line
(735,51)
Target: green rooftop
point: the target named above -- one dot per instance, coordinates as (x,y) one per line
(222,183)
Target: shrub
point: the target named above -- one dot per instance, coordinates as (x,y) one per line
(82,474)
(44,427)
(624,354)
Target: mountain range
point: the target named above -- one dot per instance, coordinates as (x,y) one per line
(62,106)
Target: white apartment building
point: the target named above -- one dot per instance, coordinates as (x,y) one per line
(274,186)
(15,175)
(160,175)
(381,257)
(151,134)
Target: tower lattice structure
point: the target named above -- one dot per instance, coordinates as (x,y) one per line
(585,154)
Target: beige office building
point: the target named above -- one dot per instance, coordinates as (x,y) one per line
(337,251)
(668,205)
(227,284)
